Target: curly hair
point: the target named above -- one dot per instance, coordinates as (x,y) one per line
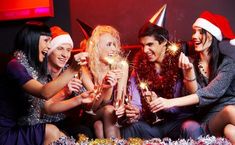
(92,49)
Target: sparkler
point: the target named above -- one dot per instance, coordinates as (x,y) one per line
(144,86)
(173,48)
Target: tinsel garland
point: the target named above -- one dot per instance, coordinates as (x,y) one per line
(83,140)
(162,83)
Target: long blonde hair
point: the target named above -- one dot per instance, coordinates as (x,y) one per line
(92,49)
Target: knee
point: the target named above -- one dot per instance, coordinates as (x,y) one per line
(190,125)
(191,129)
(229,110)
(108,110)
(98,125)
(229,130)
(52,132)
(229,133)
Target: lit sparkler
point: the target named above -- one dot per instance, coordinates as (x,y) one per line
(144,86)
(173,48)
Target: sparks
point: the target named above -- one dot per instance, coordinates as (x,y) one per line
(173,48)
(144,86)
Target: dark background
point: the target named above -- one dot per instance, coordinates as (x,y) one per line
(127,16)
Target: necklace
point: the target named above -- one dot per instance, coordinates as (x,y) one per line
(202,69)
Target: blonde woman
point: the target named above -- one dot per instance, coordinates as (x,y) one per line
(105,71)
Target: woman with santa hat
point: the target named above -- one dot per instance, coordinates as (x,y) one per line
(210,77)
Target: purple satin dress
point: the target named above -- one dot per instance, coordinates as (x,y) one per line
(13,105)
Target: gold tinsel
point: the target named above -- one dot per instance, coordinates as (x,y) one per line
(135,141)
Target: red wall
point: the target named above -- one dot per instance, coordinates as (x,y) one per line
(129,15)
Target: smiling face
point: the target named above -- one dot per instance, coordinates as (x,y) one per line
(60,56)
(202,39)
(152,48)
(108,46)
(43,46)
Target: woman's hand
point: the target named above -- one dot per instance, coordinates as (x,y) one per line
(160,104)
(190,82)
(110,79)
(150,96)
(74,85)
(86,97)
(79,60)
(184,62)
(118,73)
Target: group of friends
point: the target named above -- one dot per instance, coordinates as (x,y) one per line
(46,94)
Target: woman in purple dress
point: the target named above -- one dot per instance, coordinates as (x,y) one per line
(23,79)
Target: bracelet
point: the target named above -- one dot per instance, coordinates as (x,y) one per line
(189,80)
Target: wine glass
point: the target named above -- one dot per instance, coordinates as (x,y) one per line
(149,98)
(82,89)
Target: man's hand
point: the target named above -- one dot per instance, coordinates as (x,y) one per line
(132,113)
(120,111)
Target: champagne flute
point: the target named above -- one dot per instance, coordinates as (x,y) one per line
(82,89)
(97,91)
(117,103)
(149,98)
(128,99)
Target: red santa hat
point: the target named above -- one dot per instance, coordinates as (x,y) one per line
(217,25)
(59,37)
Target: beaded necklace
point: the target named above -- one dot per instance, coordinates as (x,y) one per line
(202,69)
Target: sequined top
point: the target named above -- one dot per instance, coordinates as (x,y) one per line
(219,92)
(34,106)
(13,105)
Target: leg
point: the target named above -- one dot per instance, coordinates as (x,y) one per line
(74,127)
(229,133)
(191,129)
(52,133)
(83,129)
(106,114)
(109,120)
(217,124)
(99,130)
(142,130)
